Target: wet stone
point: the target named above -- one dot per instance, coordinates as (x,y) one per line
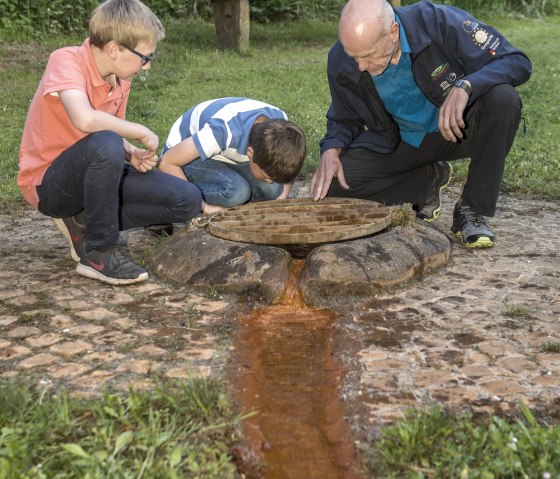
(198,259)
(335,271)
(368,265)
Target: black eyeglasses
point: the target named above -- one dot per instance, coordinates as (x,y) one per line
(145,59)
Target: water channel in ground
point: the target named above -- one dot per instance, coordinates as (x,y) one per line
(286,372)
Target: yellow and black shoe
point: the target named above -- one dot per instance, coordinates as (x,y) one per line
(471,228)
(432,204)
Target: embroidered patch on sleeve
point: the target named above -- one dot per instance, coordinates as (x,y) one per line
(481,37)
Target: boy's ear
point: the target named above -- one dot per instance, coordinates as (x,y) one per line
(250,152)
(112,49)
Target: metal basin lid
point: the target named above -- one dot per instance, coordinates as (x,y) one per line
(300,221)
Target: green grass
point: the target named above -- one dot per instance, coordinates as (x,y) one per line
(174,431)
(438,444)
(515,310)
(286,67)
(551,347)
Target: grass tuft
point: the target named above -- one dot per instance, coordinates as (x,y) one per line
(550,347)
(439,444)
(515,310)
(173,431)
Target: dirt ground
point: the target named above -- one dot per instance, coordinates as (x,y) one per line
(483,332)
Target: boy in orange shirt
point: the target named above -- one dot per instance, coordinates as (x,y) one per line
(76,164)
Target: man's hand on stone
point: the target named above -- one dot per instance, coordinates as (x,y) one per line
(329,167)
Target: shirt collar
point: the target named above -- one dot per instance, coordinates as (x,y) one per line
(87,56)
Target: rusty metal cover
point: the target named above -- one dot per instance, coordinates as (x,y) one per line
(300,221)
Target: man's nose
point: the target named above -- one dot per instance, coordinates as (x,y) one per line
(363,65)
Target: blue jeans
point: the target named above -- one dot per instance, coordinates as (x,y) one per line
(228,185)
(92,176)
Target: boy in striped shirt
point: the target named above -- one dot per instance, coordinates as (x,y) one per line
(235,150)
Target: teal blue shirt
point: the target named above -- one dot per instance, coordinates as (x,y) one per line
(403,99)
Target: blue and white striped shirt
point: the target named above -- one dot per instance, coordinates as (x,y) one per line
(220,128)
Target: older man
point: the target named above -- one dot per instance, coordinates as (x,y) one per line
(413,88)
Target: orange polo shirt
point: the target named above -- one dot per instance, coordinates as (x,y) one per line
(48,130)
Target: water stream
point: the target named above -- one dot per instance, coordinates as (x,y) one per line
(286,372)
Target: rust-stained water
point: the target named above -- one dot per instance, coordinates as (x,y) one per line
(285,371)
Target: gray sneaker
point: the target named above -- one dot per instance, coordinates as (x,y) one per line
(471,228)
(432,204)
(74,232)
(111,266)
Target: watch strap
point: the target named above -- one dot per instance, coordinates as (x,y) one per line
(463,85)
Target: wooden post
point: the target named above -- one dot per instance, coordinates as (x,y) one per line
(231,20)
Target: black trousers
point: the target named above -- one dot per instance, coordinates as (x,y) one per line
(406,175)
(92,176)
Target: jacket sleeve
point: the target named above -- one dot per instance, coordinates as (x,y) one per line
(485,54)
(343,123)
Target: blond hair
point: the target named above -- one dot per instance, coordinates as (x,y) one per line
(127,22)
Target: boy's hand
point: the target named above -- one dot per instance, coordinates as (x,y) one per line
(149,139)
(209,210)
(143,160)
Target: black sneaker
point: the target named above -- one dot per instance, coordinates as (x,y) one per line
(74,231)
(111,266)
(432,204)
(471,228)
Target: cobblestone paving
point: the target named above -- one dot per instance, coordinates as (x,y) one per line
(58,327)
(485,331)
(482,331)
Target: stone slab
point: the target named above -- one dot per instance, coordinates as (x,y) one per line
(196,258)
(365,266)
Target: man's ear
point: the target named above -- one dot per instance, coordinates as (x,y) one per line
(250,152)
(395,31)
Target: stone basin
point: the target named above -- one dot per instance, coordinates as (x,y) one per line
(333,272)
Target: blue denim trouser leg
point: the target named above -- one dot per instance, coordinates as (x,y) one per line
(228,185)
(92,176)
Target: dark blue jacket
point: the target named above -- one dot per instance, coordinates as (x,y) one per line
(446,44)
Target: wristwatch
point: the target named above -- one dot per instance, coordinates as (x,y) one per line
(464,86)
